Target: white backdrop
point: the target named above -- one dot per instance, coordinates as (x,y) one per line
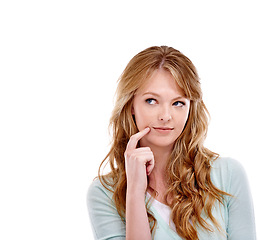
(59,64)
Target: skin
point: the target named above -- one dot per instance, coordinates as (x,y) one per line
(161,111)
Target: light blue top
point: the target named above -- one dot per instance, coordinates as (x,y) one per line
(236,216)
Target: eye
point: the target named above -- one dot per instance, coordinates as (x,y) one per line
(178,104)
(151,101)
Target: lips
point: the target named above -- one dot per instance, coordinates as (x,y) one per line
(163,128)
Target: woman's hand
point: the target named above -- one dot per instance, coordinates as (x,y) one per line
(139,162)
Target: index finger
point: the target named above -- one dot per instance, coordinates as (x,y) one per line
(132,144)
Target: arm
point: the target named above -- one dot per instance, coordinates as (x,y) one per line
(138,163)
(137,224)
(105,220)
(241,222)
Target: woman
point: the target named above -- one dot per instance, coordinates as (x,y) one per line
(164,184)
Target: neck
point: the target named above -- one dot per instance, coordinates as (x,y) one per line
(157,178)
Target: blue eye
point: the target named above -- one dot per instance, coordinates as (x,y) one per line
(151,101)
(178,104)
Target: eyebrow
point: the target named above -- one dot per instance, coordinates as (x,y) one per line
(157,95)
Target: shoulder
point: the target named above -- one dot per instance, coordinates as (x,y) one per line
(227,165)
(98,192)
(226,172)
(96,185)
(229,175)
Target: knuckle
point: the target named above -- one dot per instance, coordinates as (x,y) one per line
(126,154)
(129,154)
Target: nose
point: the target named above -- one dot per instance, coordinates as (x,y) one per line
(165,114)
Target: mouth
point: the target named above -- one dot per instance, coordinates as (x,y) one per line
(163,128)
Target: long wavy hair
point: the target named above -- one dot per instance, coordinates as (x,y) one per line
(190,189)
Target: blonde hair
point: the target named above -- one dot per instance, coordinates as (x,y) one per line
(190,189)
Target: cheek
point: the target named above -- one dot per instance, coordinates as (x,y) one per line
(185,118)
(182,119)
(142,118)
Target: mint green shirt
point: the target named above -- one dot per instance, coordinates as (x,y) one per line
(236,216)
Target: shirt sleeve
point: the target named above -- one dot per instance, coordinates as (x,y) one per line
(241,220)
(105,220)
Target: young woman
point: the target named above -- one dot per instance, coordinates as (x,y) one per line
(164,184)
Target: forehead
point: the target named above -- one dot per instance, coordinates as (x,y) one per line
(161,82)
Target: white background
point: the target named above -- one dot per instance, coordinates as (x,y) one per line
(60,61)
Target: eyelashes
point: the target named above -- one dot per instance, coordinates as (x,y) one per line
(152,101)
(179,103)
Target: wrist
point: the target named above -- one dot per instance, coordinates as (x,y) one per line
(135,192)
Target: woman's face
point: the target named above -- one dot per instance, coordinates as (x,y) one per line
(160,104)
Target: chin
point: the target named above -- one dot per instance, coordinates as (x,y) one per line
(161,142)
